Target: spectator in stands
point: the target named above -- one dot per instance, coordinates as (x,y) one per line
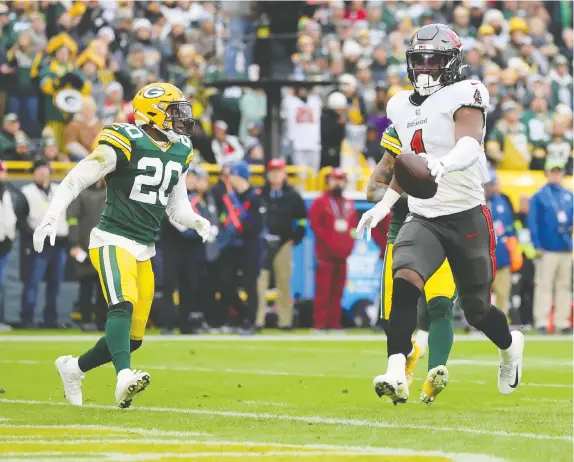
(303,127)
(255,154)
(226,148)
(50,263)
(526,283)
(14,143)
(83,215)
(333,220)
(242,223)
(561,82)
(23,99)
(507,145)
(49,147)
(7,227)
(253,107)
(550,224)
(60,74)
(286,220)
(558,147)
(508,255)
(333,123)
(378,117)
(82,132)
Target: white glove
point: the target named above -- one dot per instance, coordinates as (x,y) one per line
(203,228)
(46,228)
(372,218)
(435,166)
(213,234)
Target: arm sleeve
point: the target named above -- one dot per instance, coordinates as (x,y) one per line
(178,207)
(73,215)
(97,165)
(391,142)
(532,222)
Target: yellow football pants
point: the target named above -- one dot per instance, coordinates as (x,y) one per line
(440,284)
(124,279)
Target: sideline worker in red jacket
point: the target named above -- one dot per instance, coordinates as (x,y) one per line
(333,220)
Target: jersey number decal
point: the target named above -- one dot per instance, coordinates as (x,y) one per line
(132,131)
(417,144)
(156,174)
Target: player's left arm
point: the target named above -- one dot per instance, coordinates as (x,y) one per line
(179,211)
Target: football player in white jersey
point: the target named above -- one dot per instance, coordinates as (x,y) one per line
(442,120)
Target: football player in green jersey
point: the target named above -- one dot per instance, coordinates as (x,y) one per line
(144,166)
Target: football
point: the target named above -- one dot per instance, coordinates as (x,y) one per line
(414,177)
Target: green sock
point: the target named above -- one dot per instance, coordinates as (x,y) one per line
(96,356)
(441,332)
(118,334)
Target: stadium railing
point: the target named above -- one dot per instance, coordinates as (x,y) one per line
(514,184)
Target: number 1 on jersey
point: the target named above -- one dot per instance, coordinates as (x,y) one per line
(417,144)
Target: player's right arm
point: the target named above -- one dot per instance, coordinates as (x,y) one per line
(97,165)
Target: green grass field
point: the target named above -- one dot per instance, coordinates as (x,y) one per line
(283,398)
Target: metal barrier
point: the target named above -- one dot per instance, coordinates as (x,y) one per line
(514,184)
(358,175)
(298,176)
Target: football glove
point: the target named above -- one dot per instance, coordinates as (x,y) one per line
(203,228)
(436,168)
(371,219)
(46,228)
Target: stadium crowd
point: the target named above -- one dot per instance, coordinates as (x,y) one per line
(106,50)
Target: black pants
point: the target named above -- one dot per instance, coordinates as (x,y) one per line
(526,291)
(466,239)
(184,264)
(240,269)
(208,287)
(91,301)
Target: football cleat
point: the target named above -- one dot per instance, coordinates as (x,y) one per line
(394,383)
(510,370)
(130,383)
(71,376)
(411,363)
(437,380)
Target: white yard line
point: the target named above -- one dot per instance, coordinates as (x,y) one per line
(307,419)
(265,372)
(350,338)
(112,428)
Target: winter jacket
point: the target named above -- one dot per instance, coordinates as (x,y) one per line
(547,206)
(331,244)
(508,252)
(83,215)
(332,135)
(286,213)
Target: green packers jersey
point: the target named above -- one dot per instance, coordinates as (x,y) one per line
(391,142)
(139,187)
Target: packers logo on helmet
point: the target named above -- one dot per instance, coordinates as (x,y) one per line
(163,107)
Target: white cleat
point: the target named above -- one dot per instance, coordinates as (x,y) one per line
(394,383)
(510,370)
(71,376)
(130,383)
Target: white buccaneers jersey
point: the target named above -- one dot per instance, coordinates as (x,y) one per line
(303,122)
(429,128)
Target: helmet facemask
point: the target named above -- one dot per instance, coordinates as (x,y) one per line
(178,120)
(430,70)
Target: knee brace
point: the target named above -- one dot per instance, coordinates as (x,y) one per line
(440,307)
(135,344)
